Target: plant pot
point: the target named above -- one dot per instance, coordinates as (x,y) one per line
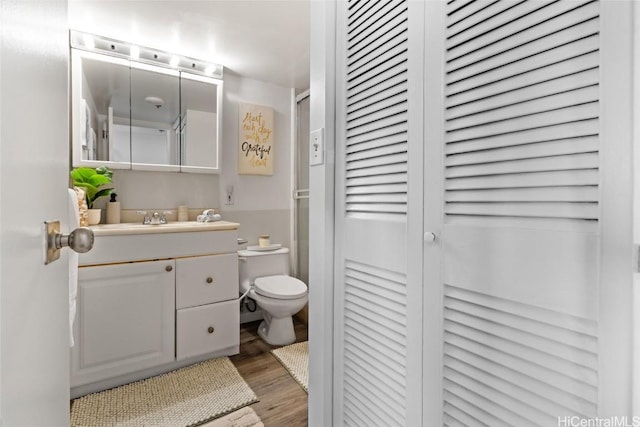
(94,216)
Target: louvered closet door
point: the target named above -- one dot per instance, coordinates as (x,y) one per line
(527,308)
(377,363)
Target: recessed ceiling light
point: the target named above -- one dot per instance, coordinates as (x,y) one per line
(156,101)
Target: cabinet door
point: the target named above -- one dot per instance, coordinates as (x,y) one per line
(206,279)
(199,145)
(125,323)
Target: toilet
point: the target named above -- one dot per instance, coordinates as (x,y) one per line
(264,276)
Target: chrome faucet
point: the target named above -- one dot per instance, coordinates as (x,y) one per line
(155,218)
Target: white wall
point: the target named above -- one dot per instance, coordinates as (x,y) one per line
(165,190)
(262,204)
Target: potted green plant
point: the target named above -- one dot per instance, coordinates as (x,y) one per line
(93,182)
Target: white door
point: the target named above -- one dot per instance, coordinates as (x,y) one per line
(532,142)
(34,176)
(378,271)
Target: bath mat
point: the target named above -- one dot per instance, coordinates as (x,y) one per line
(295,358)
(245,417)
(186,397)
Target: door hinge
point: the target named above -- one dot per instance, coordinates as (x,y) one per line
(636,258)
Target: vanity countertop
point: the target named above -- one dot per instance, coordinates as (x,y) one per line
(172,227)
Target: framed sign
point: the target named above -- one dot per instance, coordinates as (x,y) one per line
(255,145)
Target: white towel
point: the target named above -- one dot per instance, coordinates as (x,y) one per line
(74,222)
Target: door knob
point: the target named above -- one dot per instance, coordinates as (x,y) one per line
(429,237)
(80,240)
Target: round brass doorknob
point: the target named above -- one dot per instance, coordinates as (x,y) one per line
(168,268)
(209,279)
(210,329)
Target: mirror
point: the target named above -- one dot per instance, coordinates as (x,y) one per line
(100,92)
(200,104)
(132,115)
(155,113)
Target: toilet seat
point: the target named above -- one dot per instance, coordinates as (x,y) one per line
(280,287)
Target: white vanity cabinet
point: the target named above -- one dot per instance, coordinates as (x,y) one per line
(153,299)
(125,317)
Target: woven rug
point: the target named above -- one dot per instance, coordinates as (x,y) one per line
(245,417)
(295,358)
(186,397)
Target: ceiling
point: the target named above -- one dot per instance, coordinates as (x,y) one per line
(266,40)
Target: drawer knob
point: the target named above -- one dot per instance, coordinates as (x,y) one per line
(209,279)
(210,329)
(168,268)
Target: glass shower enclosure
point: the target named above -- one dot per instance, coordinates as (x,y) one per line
(301,192)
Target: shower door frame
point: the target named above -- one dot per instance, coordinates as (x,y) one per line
(296,196)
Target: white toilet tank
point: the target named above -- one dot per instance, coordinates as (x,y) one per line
(253,264)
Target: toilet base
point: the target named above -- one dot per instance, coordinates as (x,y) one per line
(277,331)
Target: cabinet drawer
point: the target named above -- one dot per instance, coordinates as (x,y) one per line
(205,280)
(207,328)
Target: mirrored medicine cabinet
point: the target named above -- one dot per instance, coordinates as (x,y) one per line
(134,115)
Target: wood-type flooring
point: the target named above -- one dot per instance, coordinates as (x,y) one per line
(282,401)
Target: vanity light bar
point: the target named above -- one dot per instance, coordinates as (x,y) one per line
(105,45)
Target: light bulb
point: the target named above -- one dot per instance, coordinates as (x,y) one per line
(134,52)
(88,41)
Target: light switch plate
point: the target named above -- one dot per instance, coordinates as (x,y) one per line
(316,147)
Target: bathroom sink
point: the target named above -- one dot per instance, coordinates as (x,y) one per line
(172,227)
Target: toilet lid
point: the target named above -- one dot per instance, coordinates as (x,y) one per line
(280,287)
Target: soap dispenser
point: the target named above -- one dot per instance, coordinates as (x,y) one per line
(113,210)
